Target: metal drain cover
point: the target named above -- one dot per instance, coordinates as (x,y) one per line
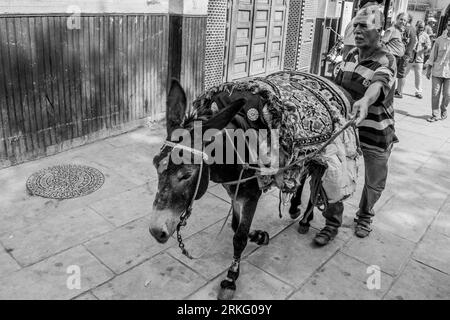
(65,181)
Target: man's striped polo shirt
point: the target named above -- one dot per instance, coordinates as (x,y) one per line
(377,130)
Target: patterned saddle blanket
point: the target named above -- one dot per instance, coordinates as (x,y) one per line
(306,110)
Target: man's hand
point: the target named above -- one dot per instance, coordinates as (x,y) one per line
(360,110)
(428,74)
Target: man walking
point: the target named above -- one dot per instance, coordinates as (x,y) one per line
(438,66)
(368,75)
(422,46)
(409,38)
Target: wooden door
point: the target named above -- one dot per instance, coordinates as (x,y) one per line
(256,38)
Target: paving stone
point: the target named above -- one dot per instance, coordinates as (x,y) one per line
(206,212)
(433,251)
(424,189)
(20,209)
(420,282)
(293,257)
(342,278)
(442,222)
(404,218)
(52,235)
(383,249)
(160,278)
(86,296)
(253,284)
(7,263)
(155,135)
(219,252)
(136,162)
(48,279)
(219,191)
(267,217)
(125,247)
(401,161)
(127,206)
(220,255)
(439,161)
(434,179)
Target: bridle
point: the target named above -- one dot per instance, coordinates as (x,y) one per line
(188,211)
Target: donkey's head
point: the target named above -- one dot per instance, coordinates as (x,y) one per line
(179,183)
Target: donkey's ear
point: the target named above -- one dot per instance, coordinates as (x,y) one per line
(175,107)
(224,116)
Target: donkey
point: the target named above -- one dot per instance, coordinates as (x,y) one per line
(180,184)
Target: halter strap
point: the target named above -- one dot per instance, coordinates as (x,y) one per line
(186,148)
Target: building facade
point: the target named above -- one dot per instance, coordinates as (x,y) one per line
(73,71)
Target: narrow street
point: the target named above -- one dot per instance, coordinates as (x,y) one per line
(106,233)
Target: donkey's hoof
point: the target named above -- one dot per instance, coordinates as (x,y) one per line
(227,290)
(295,213)
(303,228)
(226,294)
(260,237)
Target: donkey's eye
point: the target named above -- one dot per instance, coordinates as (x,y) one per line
(184,175)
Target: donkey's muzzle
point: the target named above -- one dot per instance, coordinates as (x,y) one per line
(160,234)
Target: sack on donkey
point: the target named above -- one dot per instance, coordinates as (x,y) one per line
(341,158)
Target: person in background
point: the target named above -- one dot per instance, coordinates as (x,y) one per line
(409,37)
(429,28)
(394,43)
(438,67)
(349,38)
(422,46)
(368,74)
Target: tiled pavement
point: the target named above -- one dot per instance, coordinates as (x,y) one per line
(105,233)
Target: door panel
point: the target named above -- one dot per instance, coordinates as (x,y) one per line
(256,41)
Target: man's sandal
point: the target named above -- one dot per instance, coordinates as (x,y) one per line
(325,235)
(362,229)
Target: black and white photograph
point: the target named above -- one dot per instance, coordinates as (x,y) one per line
(247,151)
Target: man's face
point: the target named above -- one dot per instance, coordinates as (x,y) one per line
(420,28)
(401,21)
(365,36)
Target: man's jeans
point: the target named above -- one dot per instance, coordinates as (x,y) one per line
(418,69)
(376,170)
(439,85)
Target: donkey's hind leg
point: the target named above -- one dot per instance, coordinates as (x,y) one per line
(243,212)
(296,200)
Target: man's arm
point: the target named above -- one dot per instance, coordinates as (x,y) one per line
(361,107)
(427,42)
(412,42)
(431,59)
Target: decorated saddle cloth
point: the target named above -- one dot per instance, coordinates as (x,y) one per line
(306,110)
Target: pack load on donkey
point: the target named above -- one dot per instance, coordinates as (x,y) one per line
(306,110)
(315,138)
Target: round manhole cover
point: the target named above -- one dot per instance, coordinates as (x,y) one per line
(65,181)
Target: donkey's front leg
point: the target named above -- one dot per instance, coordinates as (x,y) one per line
(246,202)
